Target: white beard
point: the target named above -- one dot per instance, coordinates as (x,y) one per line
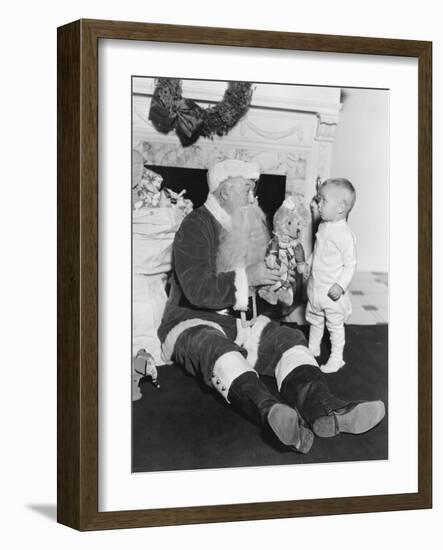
(245,243)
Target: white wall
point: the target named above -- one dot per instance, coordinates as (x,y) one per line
(361,154)
(28,275)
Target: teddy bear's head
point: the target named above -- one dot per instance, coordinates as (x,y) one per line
(289,220)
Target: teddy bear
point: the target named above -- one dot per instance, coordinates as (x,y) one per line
(284,252)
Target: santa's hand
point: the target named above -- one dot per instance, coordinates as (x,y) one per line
(335,292)
(259,274)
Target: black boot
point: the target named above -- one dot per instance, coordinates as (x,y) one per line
(249,395)
(306,389)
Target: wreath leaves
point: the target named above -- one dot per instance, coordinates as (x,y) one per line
(169,110)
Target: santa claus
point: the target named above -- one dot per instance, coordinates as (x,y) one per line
(210,325)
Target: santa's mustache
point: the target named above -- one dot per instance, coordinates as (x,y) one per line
(249,212)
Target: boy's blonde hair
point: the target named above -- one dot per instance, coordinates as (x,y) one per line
(348,191)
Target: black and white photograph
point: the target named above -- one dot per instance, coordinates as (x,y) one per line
(260,278)
(220,268)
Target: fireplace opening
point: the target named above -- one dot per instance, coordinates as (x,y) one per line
(270,187)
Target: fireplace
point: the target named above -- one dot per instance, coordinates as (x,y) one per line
(289,131)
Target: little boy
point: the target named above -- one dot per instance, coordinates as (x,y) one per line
(330,269)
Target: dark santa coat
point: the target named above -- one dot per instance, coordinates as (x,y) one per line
(198,292)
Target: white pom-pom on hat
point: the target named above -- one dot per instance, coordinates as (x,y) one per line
(289,203)
(231,168)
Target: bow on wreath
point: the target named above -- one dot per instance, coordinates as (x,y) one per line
(169,110)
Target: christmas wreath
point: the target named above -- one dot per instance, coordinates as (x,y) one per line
(170,110)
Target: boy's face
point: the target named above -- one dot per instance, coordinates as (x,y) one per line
(331,205)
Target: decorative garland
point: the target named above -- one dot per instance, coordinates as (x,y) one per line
(170,110)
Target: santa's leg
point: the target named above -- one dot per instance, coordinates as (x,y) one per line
(305,388)
(283,351)
(240,385)
(208,352)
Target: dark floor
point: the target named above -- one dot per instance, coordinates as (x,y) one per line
(186,425)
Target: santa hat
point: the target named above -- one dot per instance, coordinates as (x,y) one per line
(289,203)
(231,168)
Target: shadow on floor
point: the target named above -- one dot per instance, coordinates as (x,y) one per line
(49,511)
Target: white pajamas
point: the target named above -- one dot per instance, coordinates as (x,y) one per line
(333,260)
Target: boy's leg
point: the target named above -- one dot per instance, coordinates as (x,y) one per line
(336,313)
(336,328)
(315,317)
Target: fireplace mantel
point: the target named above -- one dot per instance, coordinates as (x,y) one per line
(288,130)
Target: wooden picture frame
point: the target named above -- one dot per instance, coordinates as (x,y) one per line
(78,274)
